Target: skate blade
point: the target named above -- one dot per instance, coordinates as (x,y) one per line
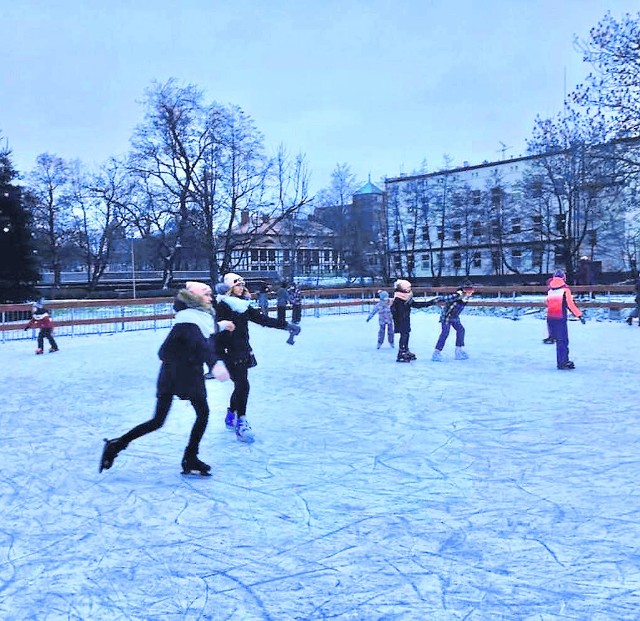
(195,473)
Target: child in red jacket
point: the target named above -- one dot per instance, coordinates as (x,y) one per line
(41,319)
(559,303)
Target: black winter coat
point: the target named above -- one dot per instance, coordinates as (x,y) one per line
(234,347)
(401,312)
(183,353)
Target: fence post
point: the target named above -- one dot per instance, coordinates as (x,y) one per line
(316,310)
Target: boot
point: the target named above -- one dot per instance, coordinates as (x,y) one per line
(110,452)
(461,354)
(436,356)
(38,352)
(630,320)
(190,462)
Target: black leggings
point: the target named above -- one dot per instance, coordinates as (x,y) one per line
(239,374)
(163,405)
(46,333)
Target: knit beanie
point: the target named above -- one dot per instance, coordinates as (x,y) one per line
(198,288)
(402,285)
(232,279)
(383,295)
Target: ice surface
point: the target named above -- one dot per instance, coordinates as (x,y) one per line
(492,488)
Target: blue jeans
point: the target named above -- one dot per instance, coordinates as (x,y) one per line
(446,327)
(558,330)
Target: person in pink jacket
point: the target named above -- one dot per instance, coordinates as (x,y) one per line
(559,301)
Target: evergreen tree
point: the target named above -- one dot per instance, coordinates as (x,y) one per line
(18,269)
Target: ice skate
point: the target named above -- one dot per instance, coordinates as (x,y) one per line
(53,350)
(411,355)
(461,354)
(403,356)
(436,356)
(379,346)
(566,366)
(191,463)
(109,452)
(230,420)
(209,375)
(549,340)
(630,320)
(244,432)
(39,352)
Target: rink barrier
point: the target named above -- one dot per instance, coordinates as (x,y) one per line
(79,317)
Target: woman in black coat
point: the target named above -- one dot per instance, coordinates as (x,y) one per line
(187,347)
(235,349)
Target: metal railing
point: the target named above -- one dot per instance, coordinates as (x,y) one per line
(80,317)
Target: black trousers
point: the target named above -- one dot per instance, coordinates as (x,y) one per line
(163,405)
(46,333)
(239,375)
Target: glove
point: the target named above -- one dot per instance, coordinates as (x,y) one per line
(294,330)
(582,320)
(220,371)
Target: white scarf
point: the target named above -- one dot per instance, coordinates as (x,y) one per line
(200,318)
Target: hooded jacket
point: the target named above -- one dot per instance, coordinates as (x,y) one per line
(559,299)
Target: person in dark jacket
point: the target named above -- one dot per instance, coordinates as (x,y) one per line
(235,349)
(282,299)
(183,353)
(454,304)
(41,319)
(403,302)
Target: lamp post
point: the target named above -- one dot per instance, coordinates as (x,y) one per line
(133,268)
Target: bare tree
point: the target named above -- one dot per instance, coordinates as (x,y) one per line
(50,206)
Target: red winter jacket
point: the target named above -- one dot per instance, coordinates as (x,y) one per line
(559,299)
(40,320)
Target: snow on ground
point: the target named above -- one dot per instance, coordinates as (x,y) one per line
(487,489)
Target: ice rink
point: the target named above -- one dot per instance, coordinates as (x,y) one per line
(496,488)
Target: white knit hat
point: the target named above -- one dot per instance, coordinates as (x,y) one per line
(232,279)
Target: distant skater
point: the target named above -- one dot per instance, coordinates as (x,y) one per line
(41,318)
(385,318)
(635,312)
(454,304)
(184,352)
(559,301)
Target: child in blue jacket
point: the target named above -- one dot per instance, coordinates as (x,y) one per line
(385,319)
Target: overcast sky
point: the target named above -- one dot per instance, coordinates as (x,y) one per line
(380,85)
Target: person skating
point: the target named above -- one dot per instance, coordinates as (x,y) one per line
(235,349)
(385,318)
(295,299)
(282,299)
(559,301)
(403,302)
(183,353)
(41,319)
(635,312)
(454,304)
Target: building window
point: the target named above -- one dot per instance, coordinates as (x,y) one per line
(516,226)
(440,233)
(536,256)
(537,224)
(457,260)
(476,197)
(457,233)
(426,261)
(516,258)
(411,236)
(396,237)
(561,219)
(477,229)
(425,233)
(477,259)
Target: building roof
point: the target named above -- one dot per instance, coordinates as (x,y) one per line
(369,188)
